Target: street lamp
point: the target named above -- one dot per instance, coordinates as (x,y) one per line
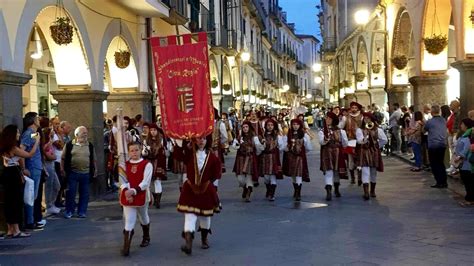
(286,88)
(318,80)
(38,52)
(362,16)
(316,67)
(245,57)
(309,96)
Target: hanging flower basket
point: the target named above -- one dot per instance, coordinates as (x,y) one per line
(435,44)
(62,31)
(376,67)
(226,87)
(253,93)
(400,61)
(360,76)
(122,58)
(259,95)
(263,97)
(331,91)
(237,93)
(245,92)
(340,85)
(347,83)
(214,83)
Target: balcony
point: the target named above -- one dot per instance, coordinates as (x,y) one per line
(200,19)
(224,41)
(328,48)
(178,12)
(275,16)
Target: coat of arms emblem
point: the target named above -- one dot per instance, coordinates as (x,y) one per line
(185,98)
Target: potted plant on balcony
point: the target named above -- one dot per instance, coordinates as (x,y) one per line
(435,44)
(360,76)
(214,83)
(400,61)
(376,67)
(62,30)
(122,58)
(226,87)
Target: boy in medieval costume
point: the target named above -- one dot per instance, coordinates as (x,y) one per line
(269,160)
(136,176)
(155,151)
(371,139)
(350,124)
(199,199)
(332,140)
(295,164)
(219,138)
(246,165)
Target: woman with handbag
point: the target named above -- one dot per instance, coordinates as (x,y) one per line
(12,177)
(414,134)
(52,185)
(134,196)
(461,157)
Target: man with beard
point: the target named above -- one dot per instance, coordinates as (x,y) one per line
(352,121)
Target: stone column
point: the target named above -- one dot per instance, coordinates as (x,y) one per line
(82,106)
(131,102)
(11,103)
(429,89)
(11,84)
(466,71)
(363,98)
(377,96)
(398,94)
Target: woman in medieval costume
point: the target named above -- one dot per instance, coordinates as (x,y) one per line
(269,160)
(135,196)
(199,199)
(371,139)
(295,164)
(246,165)
(332,140)
(155,151)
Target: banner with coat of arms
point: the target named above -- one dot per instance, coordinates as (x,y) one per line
(184,91)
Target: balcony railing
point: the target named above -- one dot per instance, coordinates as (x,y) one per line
(178,12)
(200,19)
(329,44)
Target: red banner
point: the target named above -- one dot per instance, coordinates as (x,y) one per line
(184,91)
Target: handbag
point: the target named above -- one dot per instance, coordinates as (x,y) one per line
(457,161)
(29,194)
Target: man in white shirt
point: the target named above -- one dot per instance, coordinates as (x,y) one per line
(395,128)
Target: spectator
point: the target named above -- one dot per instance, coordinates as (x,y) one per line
(109,179)
(139,123)
(395,128)
(13,177)
(52,184)
(60,138)
(461,153)
(34,164)
(436,128)
(79,165)
(470,114)
(424,137)
(453,122)
(414,139)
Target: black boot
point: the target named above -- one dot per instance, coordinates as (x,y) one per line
(359,178)
(146,236)
(372,190)
(244,192)
(267,195)
(295,189)
(366,191)
(127,239)
(336,189)
(247,196)
(328,192)
(188,246)
(298,192)
(204,241)
(352,177)
(272,195)
(158,200)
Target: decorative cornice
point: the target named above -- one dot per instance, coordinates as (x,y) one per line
(79,95)
(428,80)
(464,65)
(128,96)
(14,78)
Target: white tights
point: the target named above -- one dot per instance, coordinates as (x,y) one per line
(190,220)
(157,186)
(270,179)
(330,177)
(245,180)
(130,216)
(369,174)
(298,180)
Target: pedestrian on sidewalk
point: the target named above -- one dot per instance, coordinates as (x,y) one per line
(462,154)
(269,160)
(248,147)
(79,165)
(414,139)
(155,150)
(135,196)
(13,177)
(198,198)
(295,164)
(371,139)
(437,135)
(333,140)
